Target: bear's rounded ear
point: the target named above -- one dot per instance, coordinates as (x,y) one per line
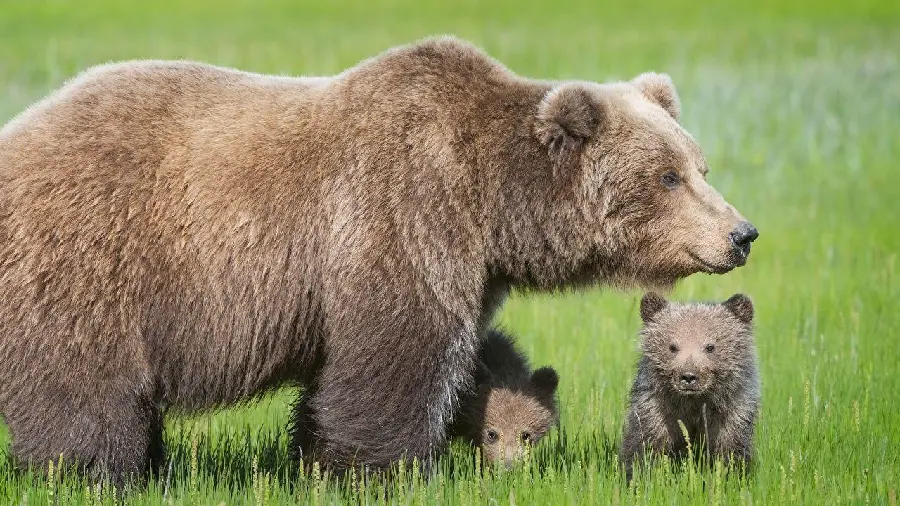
(740,306)
(566,118)
(545,380)
(660,89)
(651,303)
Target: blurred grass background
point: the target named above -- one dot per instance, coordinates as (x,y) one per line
(797,106)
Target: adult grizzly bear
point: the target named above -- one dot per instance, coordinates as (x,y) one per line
(177,235)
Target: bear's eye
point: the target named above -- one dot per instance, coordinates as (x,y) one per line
(492,436)
(670,179)
(710,348)
(526,437)
(673,348)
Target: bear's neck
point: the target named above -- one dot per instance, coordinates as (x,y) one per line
(525,195)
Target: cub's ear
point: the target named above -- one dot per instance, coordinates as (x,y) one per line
(741,306)
(566,118)
(545,381)
(651,304)
(660,89)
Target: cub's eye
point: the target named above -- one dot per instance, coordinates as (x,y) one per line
(492,436)
(710,348)
(526,437)
(670,179)
(673,348)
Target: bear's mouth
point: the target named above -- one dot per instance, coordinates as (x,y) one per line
(689,390)
(708,267)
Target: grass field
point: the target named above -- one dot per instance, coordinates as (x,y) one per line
(797,106)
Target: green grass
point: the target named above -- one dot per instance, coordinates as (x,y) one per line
(797,106)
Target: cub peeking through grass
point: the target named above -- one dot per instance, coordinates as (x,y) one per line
(511,407)
(698,366)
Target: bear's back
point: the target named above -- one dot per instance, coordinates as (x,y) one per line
(138,108)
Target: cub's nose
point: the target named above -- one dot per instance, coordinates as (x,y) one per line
(742,235)
(509,457)
(689,379)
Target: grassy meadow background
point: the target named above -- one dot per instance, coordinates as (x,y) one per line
(797,106)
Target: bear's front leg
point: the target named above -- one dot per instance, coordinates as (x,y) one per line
(645,435)
(389,386)
(116,438)
(734,441)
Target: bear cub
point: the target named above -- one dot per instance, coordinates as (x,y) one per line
(511,407)
(698,366)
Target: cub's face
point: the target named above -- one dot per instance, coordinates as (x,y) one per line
(517,419)
(694,347)
(641,182)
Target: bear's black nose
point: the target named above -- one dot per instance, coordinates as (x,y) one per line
(689,378)
(742,235)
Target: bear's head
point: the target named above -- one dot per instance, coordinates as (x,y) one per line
(697,349)
(509,419)
(630,201)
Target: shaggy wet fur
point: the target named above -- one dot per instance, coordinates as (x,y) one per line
(175,235)
(698,366)
(511,406)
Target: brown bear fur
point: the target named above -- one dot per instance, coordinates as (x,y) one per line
(178,235)
(511,406)
(698,365)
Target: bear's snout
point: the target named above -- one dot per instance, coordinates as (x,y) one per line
(689,382)
(688,379)
(741,237)
(691,378)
